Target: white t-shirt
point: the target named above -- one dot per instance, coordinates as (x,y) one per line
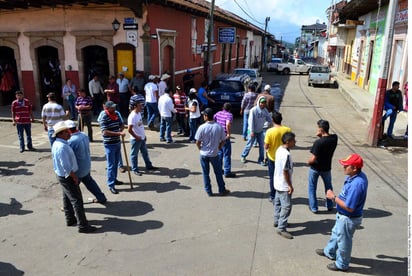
(150,88)
(196,114)
(283,163)
(165,106)
(135,120)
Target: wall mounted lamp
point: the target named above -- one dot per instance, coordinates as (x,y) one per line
(115,25)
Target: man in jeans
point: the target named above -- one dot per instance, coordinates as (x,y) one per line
(320,164)
(166,110)
(210,137)
(22,117)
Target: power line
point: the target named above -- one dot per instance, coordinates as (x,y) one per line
(253,19)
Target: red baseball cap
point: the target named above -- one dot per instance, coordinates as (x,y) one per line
(352,160)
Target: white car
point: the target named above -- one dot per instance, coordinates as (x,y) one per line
(254,75)
(321,75)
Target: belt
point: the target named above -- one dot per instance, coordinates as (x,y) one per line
(349,216)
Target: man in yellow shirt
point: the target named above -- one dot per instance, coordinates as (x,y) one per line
(273,139)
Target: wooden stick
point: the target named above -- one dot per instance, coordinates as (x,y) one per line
(127,162)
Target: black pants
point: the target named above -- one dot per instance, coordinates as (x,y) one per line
(86,120)
(73,202)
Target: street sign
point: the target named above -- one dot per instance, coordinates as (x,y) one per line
(227,35)
(133,26)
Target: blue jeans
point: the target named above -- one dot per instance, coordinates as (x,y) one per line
(21,128)
(152,112)
(193,125)
(92,186)
(205,162)
(166,126)
(271,171)
(136,147)
(392,118)
(282,207)
(51,138)
(260,139)
(72,109)
(339,246)
(245,124)
(312,186)
(225,154)
(112,157)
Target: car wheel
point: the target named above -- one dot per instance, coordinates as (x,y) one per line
(286,71)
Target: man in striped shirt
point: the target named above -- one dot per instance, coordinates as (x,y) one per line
(51,114)
(179,98)
(112,127)
(225,119)
(22,116)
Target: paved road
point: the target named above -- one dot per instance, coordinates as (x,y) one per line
(167,225)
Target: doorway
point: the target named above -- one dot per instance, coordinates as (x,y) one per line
(49,73)
(95,62)
(9,82)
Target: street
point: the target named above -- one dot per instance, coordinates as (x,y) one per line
(167,225)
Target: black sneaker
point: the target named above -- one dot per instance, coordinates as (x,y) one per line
(333,267)
(113,190)
(230,175)
(320,252)
(225,192)
(88,229)
(117,182)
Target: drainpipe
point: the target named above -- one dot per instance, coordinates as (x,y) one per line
(375,129)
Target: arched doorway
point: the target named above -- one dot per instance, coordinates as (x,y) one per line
(9,81)
(49,73)
(95,62)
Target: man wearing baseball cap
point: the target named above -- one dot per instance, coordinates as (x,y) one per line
(349,206)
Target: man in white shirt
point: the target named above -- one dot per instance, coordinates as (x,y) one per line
(163,83)
(152,95)
(166,110)
(96,92)
(124,94)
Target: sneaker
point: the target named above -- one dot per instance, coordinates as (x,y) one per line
(263,164)
(320,252)
(32,149)
(243,159)
(137,173)
(192,141)
(162,140)
(117,182)
(225,192)
(88,229)
(152,168)
(230,175)
(333,267)
(113,190)
(169,141)
(285,234)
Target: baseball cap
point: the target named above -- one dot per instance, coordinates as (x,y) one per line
(70,124)
(262,99)
(352,160)
(208,112)
(192,91)
(110,104)
(267,87)
(151,77)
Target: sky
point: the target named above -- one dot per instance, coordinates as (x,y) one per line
(286,16)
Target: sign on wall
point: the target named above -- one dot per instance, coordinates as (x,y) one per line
(227,35)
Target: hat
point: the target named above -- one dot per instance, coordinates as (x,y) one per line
(151,77)
(165,76)
(352,160)
(59,127)
(262,99)
(208,112)
(178,87)
(110,104)
(267,87)
(192,91)
(70,124)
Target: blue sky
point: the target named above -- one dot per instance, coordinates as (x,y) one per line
(286,16)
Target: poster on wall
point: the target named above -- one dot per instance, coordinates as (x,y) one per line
(131,37)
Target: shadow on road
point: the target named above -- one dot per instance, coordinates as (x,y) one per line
(156,187)
(126,226)
(14,208)
(9,269)
(13,168)
(390,266)
(123,208)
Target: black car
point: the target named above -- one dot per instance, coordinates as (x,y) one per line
(228,88)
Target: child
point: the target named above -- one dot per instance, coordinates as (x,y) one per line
(282,182)
(194,114)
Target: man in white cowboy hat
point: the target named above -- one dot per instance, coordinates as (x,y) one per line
(65,166)
(163,83)
(152,95)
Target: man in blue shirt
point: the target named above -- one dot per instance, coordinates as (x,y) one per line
(65,166)
(79,142)
(349,205)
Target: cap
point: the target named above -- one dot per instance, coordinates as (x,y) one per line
(262,99)
(178,87)
(151,77)
(352,160)
(70,124)
(164,76)
(267,87)
(192,91)
(208,112)
(110,104)
(59,127)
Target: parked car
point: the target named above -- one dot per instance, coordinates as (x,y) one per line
(294,65)
(228,88)
(322,75)
(253,73)
(272,66)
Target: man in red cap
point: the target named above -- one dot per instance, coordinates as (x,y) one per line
(349,206)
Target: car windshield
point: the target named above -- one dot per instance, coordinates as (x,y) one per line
(251,73)
(227,86)
(320,69)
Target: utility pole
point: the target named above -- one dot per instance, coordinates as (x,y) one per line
(264,45)
(375,129)
(209,59)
